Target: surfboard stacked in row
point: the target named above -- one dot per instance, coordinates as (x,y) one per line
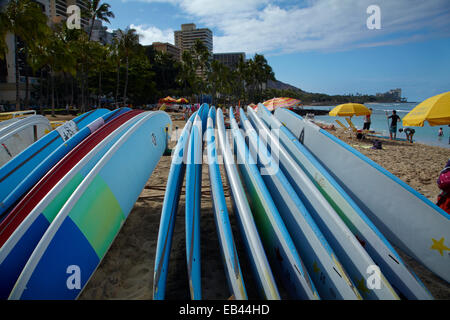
(64,198)
(316,217)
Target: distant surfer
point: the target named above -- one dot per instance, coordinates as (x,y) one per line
(393,127)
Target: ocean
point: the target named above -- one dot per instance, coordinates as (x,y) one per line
(426,134)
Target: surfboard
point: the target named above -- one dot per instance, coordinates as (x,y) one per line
(14,171)
(250,235)
(227,245)
(84,229)
(45,165)
(276,239)
(24,226)
(169,211)
(17,136)
(192,208)
(321,262)
(401,214)
(350,252)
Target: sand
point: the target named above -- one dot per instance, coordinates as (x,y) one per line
(126,272)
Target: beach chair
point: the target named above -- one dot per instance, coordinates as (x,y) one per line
(347,129)
(361,132)
(341,125)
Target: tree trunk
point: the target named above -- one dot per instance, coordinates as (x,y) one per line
(27,80)
(27,90)
(126,82)
(82,89)
(16,59)
(72,93)
(53,92)
(117,83)
(99,88)
(41,94)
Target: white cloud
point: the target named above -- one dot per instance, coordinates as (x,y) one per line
(283,26)
(150,34)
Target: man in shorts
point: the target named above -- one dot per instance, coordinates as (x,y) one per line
(393,127)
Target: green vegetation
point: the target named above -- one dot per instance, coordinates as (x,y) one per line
(75,71)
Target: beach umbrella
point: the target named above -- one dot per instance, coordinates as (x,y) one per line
(349,110)
(182,101)
(435,110)
(274,103)
(168,99)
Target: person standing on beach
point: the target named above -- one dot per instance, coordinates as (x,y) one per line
(393,127)
(367,121)
(440,133)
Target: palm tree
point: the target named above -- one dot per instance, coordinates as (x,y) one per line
(98,11)
(262,72)
(201,58)
(116,60)
(187,77)
(100,58)
(129,40)
(59,57)
(26,21)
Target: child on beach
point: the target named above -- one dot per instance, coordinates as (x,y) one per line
(393,127)
(440,133)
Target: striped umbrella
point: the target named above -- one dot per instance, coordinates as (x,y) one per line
(168,99)
(182,101)
(274,103)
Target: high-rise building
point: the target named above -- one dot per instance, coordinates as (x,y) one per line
(168,48)
(186,37)
(230,59)
(58,10)
(100,33)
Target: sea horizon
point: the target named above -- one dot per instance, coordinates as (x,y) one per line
(427,134)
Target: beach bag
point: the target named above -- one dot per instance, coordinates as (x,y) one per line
(377,144)
(444,179)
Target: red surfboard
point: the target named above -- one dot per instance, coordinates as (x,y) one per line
(35,195)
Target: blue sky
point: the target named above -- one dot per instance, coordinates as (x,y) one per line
(317,45)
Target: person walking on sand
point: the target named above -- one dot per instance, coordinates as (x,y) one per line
(367,121)
(393,127)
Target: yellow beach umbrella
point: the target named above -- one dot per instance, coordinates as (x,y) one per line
(435,110)
(349,110)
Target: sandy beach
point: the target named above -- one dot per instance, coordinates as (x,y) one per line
(127,270)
